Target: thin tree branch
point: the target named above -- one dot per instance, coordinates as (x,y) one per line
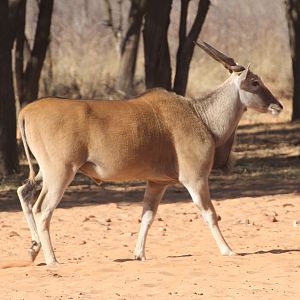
(183,19)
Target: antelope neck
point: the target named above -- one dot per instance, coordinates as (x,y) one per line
(221,110)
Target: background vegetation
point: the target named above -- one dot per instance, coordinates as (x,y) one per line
(82,58)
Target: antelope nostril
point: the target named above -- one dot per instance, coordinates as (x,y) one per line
(276,106)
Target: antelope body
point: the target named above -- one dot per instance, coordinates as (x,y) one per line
(159,137)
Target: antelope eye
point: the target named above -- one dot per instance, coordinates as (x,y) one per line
(255,83)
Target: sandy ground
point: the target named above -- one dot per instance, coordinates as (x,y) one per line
(94,231)
(94,242)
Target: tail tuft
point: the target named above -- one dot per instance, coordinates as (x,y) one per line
(28,190)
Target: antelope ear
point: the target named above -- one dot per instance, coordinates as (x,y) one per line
(243,75)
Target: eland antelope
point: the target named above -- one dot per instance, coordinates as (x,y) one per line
(159,137)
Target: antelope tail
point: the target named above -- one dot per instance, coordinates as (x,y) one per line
(30,186)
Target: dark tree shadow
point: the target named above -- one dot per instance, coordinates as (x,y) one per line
(272,251)
(122,260)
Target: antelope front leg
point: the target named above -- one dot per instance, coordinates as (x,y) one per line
(152,197)
(199,192)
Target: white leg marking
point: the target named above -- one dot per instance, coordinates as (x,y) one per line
(153,195)
(51,194)
(201,197)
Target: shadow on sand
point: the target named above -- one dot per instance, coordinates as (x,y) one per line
(272,251)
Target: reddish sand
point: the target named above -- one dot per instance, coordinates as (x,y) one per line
(94,244)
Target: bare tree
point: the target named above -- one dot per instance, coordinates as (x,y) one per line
(115,26)
(12,28)
(293,20)
(156,47)
(8,147)
(19,21)
(31,76)
(129,47)
(127,41)
(157,57)
(186,43)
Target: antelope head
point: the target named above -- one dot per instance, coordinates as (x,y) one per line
(252,91)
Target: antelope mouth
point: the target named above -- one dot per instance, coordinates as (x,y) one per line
(275,109)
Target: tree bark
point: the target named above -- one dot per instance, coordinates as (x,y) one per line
(129,47)
(156,46)
(186,43)
(293,20)
(13,11)
(36,60)
(116,28)
(19,46)
(8,147)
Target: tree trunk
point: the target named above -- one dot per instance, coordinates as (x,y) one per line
(129,47)
(156,46)
(293,20)
(36,60)
(116,27)
(8,147)
(19,47)
(186,43)
(13,11)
